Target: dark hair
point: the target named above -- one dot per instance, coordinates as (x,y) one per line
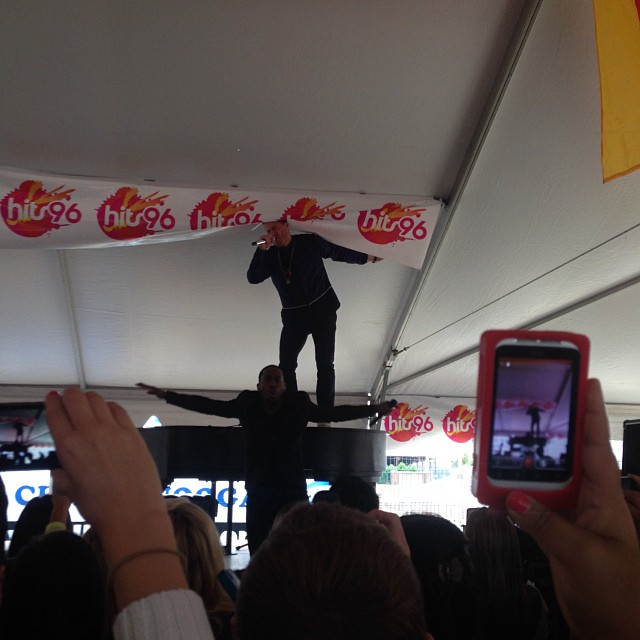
(504,606)
(60,572)
(327,571)
(4,503)
(494,549)
(354,492)
(269,366)
(439,555)
(325,496)
(31,522)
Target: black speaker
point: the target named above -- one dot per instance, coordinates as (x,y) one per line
(631,447)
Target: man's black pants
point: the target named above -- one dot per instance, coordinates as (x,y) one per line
(318,321)
(263,505)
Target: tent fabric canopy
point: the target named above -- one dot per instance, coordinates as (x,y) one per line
(492,106)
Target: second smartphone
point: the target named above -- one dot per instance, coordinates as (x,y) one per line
(530,410)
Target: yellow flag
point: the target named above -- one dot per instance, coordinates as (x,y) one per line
(618,43)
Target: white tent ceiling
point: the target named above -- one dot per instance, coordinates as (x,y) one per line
(491,105)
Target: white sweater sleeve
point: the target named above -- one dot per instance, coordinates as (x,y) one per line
(167,615)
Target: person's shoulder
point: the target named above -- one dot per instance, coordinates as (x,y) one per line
(308,238)
(247,397)
(298,397)
(312,243)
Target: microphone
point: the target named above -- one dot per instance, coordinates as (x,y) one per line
(393,403)
(257,243)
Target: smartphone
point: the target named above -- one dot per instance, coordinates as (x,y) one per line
(631,447)
(25,440)
(530,410)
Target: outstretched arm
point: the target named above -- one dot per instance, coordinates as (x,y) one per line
(154,391)
(346,412)
(594,555)
(342,254)
(193,402)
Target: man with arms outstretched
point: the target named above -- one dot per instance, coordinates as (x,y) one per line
(274,420)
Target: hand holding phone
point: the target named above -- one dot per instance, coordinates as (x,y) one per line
(530,410)
(593,550)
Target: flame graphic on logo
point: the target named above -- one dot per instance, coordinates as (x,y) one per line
(395,210)
(29,198)
(121,217)
(387,224)
(399,423)
(459,424)
(307,209)
(219,204)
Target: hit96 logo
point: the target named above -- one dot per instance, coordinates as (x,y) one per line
(30,210)
(391,223)
(406,422)
(126,215)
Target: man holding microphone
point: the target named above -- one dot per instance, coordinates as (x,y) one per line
(309,304)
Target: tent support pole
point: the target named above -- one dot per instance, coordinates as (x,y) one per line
(75,336)
(512,55)
(549,317)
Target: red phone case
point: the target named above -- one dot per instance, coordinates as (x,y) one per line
(488,493)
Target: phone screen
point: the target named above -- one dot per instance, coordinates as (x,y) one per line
(25,440)
(534,412)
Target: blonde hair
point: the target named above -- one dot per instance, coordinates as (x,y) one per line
(198,541)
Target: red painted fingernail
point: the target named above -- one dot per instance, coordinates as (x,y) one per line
(51,394)
(518,502)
